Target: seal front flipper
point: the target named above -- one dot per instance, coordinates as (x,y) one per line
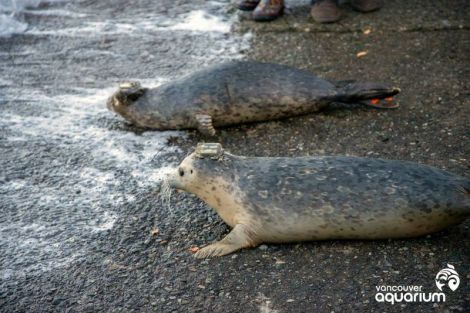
(204,124)
(237,239)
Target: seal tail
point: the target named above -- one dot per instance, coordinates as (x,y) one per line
(372,94)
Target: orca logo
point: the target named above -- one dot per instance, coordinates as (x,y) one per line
(448,276)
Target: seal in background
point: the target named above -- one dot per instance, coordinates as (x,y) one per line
(239,92)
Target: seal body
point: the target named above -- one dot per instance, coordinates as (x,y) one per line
(236,92)
(315,198)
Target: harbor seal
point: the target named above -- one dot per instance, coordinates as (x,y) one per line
(239,92)
(313,198)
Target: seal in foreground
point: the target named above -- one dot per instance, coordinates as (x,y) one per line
(314,198)
(238,92)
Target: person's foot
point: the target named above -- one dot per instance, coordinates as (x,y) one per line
(268,10)
(325,11)
(247,5)
(367,5)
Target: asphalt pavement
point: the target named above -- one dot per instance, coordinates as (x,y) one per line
(83,225)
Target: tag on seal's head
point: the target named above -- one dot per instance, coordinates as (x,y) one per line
(209,150)
(129,85)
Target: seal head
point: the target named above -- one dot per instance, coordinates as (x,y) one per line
(125,102)
(127,93)
(191,172)
(208,173)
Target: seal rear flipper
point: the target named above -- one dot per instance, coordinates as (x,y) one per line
(342,83)
(378,95)
(204,124)
(387,103)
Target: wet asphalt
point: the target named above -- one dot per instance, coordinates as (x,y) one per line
(143,262)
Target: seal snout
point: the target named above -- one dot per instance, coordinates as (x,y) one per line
(184,173)
(111,103)
(171,177)
(180,177)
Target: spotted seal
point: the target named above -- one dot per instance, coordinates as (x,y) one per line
(312,198)
(238,92)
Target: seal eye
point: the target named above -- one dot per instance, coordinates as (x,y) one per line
(191,171)
(181,171)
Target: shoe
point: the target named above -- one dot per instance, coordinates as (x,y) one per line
(365,6)
(247,5)
(325,11)
(268,10)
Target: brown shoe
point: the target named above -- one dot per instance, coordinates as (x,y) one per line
(247,5)
(365,6)
(268,10)
(325,11)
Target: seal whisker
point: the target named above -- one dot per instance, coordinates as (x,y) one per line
(166,193)
(162,176)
